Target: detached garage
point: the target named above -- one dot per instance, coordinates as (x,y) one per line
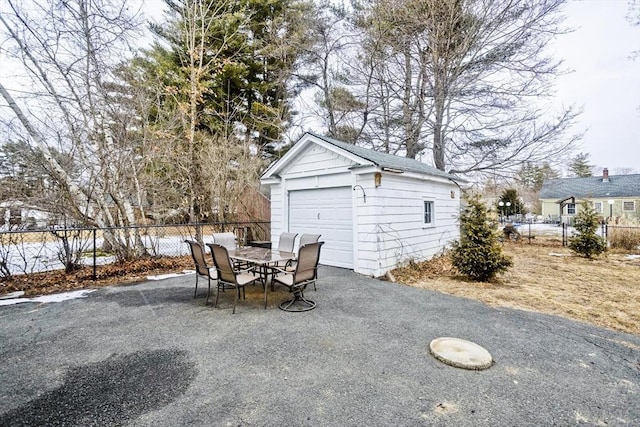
(373,210)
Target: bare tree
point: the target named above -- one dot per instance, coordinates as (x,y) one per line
(322,69)
(466,80)
(198,18)
(633,12)
(67,52)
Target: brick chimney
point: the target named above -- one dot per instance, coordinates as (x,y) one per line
(605,175)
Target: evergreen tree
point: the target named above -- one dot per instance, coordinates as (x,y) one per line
(478,254)
(245,58)
(580,167)
(532,176)
(511,203)
(586,242)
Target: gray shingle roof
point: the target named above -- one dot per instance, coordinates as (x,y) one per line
(592,187)
(386,160)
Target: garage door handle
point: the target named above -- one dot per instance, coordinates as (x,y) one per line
(318,215)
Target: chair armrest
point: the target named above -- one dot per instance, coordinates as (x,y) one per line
(246,270)
(277,270)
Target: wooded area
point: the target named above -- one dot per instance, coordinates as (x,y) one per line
(99,130)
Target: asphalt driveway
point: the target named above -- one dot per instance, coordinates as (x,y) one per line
(150,354)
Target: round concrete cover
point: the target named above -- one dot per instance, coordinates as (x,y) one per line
(460,353)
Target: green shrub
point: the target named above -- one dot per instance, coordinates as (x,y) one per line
(586,242)
(478,254)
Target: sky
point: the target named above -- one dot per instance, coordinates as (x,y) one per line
(605,81)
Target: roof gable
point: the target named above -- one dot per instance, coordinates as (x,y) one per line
(315,157)
(592,187)
(360,157)
(388,161)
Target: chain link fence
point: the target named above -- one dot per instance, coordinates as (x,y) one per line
(33,251)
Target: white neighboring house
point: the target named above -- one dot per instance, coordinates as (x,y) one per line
(374,210)
(15,212)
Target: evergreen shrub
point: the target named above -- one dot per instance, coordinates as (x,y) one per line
(478,254)
(586,242)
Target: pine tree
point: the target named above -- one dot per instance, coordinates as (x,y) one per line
(511,203)
(478,254)
(532,177)
(580,167)
(245,55)
(586,242)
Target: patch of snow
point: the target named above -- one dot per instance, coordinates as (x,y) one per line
(632,257)
(64,296)
(43,256)
(15,294)
(170,275)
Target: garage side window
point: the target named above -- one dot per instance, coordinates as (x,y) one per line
(428,213)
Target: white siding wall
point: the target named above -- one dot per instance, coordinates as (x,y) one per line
(314,160)
(366,217)
(277,205)
(400,231)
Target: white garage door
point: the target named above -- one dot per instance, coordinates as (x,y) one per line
(325,211)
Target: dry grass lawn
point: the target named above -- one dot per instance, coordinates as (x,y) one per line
(548,278)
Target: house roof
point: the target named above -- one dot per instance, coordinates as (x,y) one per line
(378,158)
(592,187)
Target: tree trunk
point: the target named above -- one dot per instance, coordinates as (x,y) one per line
(438,140)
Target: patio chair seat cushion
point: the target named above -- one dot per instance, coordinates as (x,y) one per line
(245,278)
(286,279)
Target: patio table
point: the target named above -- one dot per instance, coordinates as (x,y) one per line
(262,258)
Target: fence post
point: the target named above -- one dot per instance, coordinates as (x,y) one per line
(564,234)
(94,254)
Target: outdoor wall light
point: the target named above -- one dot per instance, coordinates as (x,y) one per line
(377,179)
